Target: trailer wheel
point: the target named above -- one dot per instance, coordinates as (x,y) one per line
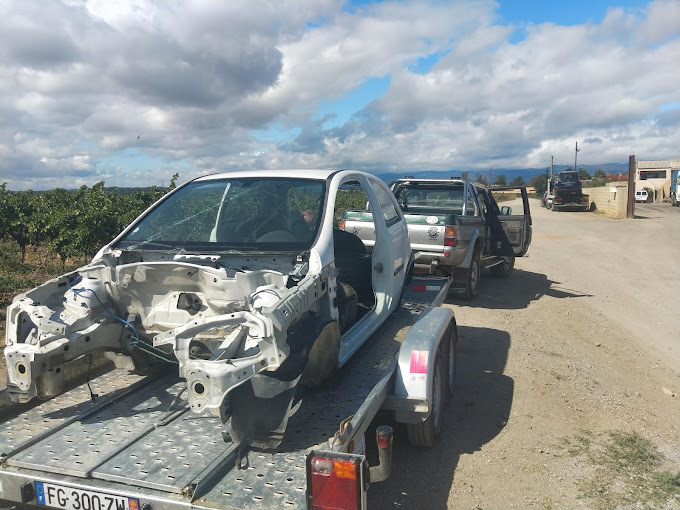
(474,273)
(504,269)
(449,354)
(426,433)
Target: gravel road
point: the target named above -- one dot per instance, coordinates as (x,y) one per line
(581,341)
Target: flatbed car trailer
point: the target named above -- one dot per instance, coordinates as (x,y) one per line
(137,446)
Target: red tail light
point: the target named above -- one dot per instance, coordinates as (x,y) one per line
(450,236)
(335,484)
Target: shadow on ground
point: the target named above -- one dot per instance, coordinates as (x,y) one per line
(516,292)
(422,478)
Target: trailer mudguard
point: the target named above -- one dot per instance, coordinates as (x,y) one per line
(415,370)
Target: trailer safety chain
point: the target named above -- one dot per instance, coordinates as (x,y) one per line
(342,432)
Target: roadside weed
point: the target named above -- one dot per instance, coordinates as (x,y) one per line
(628,471)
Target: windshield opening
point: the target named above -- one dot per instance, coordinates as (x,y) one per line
(255,213)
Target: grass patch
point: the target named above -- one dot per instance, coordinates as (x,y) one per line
(628,471)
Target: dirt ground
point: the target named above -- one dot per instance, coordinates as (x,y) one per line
(578,348)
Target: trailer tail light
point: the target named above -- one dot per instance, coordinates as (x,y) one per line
(450,236)
(334,483)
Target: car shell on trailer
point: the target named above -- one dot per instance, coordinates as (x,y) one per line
(138,445)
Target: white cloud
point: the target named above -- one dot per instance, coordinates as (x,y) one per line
(81,80)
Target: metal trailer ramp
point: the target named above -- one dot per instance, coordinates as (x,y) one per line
(138,439)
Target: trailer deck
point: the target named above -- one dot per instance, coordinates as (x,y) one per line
(137,445)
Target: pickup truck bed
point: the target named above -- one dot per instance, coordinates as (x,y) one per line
(138,439)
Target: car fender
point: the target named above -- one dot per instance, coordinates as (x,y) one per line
(471,249)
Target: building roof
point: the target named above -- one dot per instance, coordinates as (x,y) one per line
(658,165)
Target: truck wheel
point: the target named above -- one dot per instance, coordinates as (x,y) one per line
(426,433)
(449,354)
(474,273)
(504,269)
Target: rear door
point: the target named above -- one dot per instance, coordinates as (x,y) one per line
(514,215)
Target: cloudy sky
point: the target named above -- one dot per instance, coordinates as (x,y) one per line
(132,91)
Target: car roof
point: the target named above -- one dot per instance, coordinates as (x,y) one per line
(278,173)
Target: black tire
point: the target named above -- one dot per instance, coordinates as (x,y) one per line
(425,434)
(504,269)
(448,348)
(473,276)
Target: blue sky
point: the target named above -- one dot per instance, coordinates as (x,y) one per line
(386,86)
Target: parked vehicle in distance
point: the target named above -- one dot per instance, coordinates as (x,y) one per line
(226,276)
(567,192)
(547,200)
(641,195)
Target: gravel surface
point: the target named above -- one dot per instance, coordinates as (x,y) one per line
(582,339)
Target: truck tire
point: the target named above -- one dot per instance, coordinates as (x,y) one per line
(504,269)
(448,347)
(425,434)
(474,273)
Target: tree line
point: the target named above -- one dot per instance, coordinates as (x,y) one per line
(72,223)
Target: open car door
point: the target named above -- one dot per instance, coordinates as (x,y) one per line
(513,204)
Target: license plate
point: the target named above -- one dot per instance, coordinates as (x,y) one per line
(68,498)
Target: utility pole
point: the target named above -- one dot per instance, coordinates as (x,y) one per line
(489,177)
(551,166)
(576,157)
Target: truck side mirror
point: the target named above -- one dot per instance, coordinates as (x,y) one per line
(506,210)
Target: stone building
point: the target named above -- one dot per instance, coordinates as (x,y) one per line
(655,175)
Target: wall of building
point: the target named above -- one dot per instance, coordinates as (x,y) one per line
(660,186)
(610,200)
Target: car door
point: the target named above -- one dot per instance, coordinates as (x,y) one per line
(395,236)
(515,217)
(389,259)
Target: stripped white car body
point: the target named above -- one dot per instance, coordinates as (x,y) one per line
(229,314)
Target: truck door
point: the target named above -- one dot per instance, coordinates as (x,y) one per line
(511,206)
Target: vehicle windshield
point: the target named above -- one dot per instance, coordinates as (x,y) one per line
(246,214)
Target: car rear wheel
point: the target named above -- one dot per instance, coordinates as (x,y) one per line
(474,273)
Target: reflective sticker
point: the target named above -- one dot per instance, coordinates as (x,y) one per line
(419,362)
(432,220)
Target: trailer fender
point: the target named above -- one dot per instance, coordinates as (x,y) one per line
(415,370)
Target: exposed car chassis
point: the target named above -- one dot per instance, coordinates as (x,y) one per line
(223,326)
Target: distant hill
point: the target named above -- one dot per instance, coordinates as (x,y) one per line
(510,173)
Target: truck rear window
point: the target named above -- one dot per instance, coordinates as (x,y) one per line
(429,197)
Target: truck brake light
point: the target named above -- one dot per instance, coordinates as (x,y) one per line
(335,484)
(450,236)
